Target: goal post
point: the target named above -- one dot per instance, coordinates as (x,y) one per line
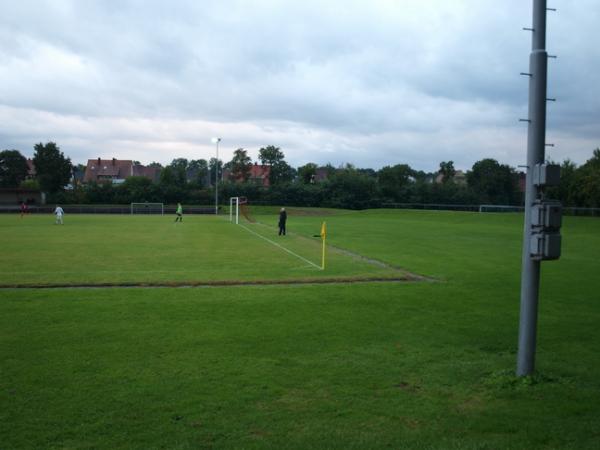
(239,205)
(234,205)
(148,208)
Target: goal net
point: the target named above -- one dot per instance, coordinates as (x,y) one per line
(147,208)
(500,208)
(237,206)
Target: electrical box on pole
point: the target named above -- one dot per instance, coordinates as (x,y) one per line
(547,215)
(546,175)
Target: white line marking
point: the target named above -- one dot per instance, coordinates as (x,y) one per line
(280,246)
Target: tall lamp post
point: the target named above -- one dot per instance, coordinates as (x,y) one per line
(216,141)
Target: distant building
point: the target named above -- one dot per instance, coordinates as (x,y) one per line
(259,174)
(31,172)
(16,196)
(459,178)
(321,174)
(153,173)
(116,171)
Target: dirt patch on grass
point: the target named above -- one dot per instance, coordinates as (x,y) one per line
(217,283)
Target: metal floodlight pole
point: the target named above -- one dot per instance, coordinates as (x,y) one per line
(536,139)
(216,141)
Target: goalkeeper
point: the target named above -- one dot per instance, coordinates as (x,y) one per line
(179,213)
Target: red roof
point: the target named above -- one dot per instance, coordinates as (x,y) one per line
(149,172)
(259,174)
(107,169)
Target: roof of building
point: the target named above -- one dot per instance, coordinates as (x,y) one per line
(108,168)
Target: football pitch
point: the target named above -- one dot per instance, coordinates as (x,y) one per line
(128,250)
(121,332)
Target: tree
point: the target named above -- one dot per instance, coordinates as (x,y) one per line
(168,177)
(139,189)
(215,169)
(307,173)
(447,170)
(155,164)
(179,171)
(493,182)
(240,165)
(566,191)
(350,189)
(53,169)
(13,168)
(280,171)
(393,180)
(197,171)
(587,179)
(270,155)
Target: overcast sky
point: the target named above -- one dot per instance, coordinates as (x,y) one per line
(369,82)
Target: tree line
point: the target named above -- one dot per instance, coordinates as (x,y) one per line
(193,181)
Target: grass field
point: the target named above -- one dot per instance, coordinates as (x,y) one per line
(420,364)
(94,249)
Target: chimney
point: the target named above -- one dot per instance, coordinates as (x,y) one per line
(114,161)
(99,162)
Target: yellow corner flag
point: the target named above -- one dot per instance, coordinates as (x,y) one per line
(323,237)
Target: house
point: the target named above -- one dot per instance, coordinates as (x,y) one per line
(321,174)
(259,174)
(116,171)
(459,178)
(153,173)
(31,172)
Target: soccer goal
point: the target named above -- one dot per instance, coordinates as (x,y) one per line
(148,208)
(234,209)
(239,205)
(500,208)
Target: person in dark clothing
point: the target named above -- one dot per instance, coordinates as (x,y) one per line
(282,220)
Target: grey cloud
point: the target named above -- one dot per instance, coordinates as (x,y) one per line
(376,82)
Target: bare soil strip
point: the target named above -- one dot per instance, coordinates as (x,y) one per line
(404,278)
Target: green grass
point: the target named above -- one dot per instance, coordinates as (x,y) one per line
(95,249)
(348,366)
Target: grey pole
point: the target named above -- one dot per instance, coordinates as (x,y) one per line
(217,140)
(536,140)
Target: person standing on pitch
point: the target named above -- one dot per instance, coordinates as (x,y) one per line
(59,215)
(179,213)
(282,220)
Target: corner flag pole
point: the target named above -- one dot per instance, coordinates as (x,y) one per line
(323,239)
